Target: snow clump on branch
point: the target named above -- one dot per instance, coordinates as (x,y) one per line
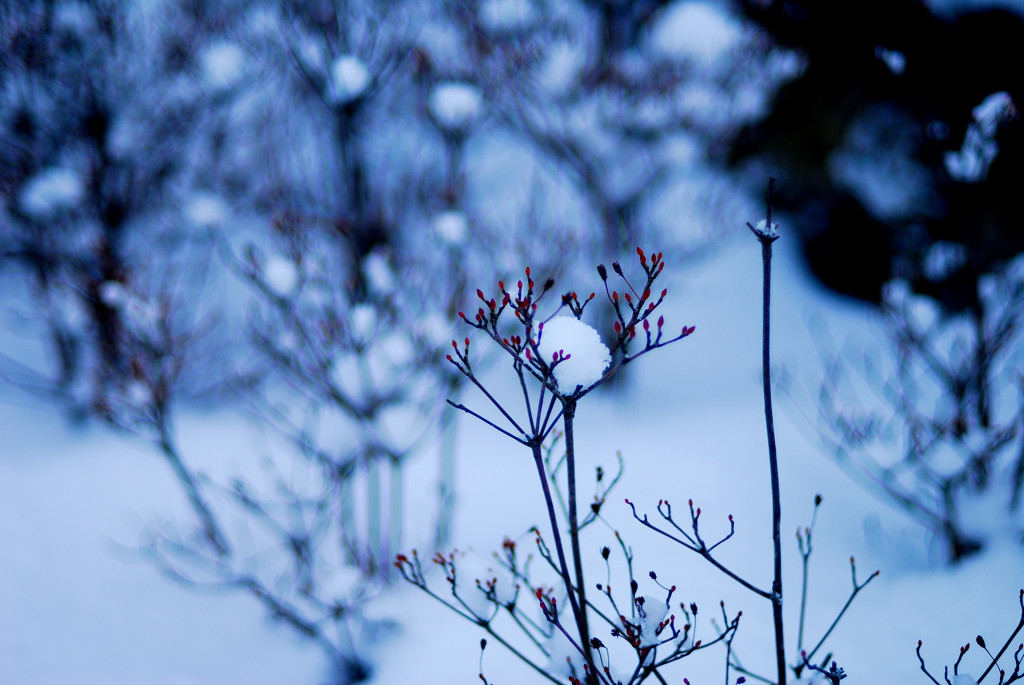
(349,80)
(586,357)
(455,106)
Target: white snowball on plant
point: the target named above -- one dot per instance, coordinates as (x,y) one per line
(349,79)
(651,613)
(761,228)
(222,64)
(506,15)
(378,271)
(50,191)
(280,275)
(451,227)
(138,394)
(971,162)
(588,357)
(964,679)
(363,321)
(113,294)
(206,210)
(996,109)
(455,105)
(695,31)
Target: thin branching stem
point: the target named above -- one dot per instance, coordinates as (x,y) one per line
(766,237)
(568,417)
(563,566)
(1009,640)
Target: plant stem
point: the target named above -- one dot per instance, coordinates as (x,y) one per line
(568,416)
(556,533)
(766,240)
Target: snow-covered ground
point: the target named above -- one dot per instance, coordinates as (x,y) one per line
(78,606)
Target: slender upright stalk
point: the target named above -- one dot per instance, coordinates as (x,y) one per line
(578,608)
(568,416)
(766,237)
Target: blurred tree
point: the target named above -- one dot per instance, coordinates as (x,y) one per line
(863,139)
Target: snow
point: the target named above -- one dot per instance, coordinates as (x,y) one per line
(651,613)
(506,15)
(877,162)
(113,294)
(363,321)
(894,59)
(51,191)
(207,210)
(565,61)
(222,64)
(349,80)
(689,422)
(451,227)
(971,162)
(994,110)
(761,228)
(694,31)
(78,605)
(586,356)
(455,106)
(379,273)
(942,259)
(280,275)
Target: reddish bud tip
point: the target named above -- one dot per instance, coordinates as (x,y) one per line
(647,325)
(527,271)
(467,342)
(661,321)
(448,357)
